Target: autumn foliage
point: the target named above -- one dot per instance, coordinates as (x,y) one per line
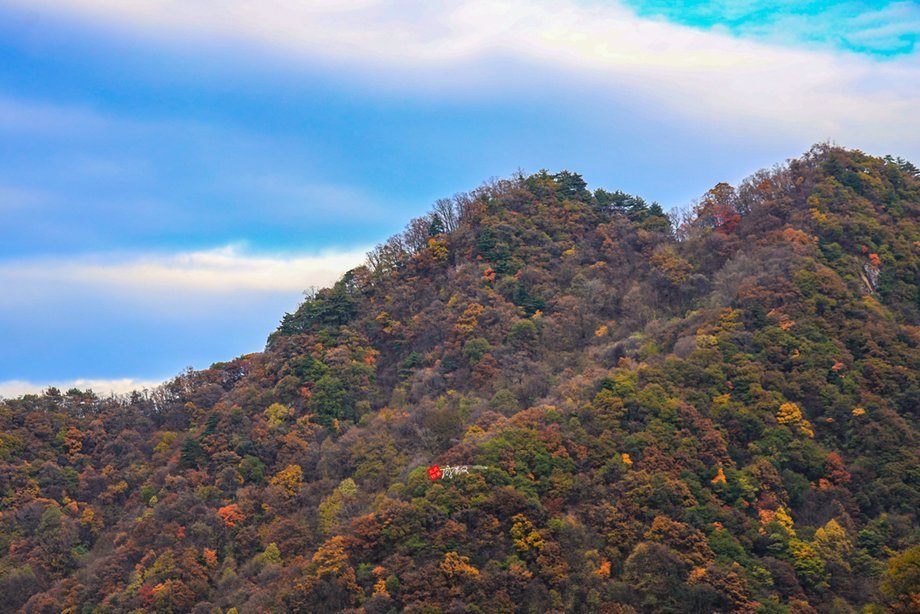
(715,412)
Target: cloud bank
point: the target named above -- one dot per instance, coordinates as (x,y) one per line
(115,322)
(448,48)
(228,269)
(15,388)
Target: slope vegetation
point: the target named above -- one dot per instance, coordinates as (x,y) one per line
(714,413)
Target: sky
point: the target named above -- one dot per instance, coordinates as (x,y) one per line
(174,173)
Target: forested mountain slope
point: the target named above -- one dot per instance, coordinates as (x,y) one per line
(715,414)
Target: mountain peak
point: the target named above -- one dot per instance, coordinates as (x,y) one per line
(537,397)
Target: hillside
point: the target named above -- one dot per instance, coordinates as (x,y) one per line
(710,414)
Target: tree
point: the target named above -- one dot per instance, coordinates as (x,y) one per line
(809,566)
(901,582)
(718,209)
(231,515)
(790,415)
(571,185)
(524,536)
(277,415)
(330,581)
(457,566)
(288,479)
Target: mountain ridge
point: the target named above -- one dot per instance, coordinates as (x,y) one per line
(713,412)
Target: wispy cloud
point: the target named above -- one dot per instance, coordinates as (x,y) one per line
(228,269)
(452,47)
(103,387)
(82,178)
(144,315)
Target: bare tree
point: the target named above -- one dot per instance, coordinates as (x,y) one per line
(446,209)
(417,233)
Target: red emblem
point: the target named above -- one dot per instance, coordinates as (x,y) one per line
(434,472)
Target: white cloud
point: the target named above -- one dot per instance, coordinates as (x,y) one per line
(450,47)
(227,269)
(100,310)
(102,387)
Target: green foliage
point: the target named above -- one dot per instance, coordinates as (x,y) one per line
(331,308)
(330,401)
(523,331)
(474,349)
(252,469)
(409,364)
(192,453)
(901,582)
(270,556)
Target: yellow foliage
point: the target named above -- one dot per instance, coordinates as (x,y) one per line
(730,319)
(626,459)
(91,520)
(473,433)
(832,540)
(780,516)
(707,341)
(818,216)
(790,415)
(524,535)
(388,323)
(720,477)
(858,411)
(380,588)
(457,565)
(331,559)
(438,247)
(783,517)
(276,414)
(674,268)
(722,399)
(73,441)
(166,439)
(601,331)
(469,320)
(288,479)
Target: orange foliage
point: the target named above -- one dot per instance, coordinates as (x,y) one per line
(231,515)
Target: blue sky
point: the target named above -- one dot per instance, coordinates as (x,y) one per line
(173,174)
(883,28)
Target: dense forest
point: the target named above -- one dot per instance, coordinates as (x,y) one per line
(537,398)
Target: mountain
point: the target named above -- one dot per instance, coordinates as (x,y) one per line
(713,412)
